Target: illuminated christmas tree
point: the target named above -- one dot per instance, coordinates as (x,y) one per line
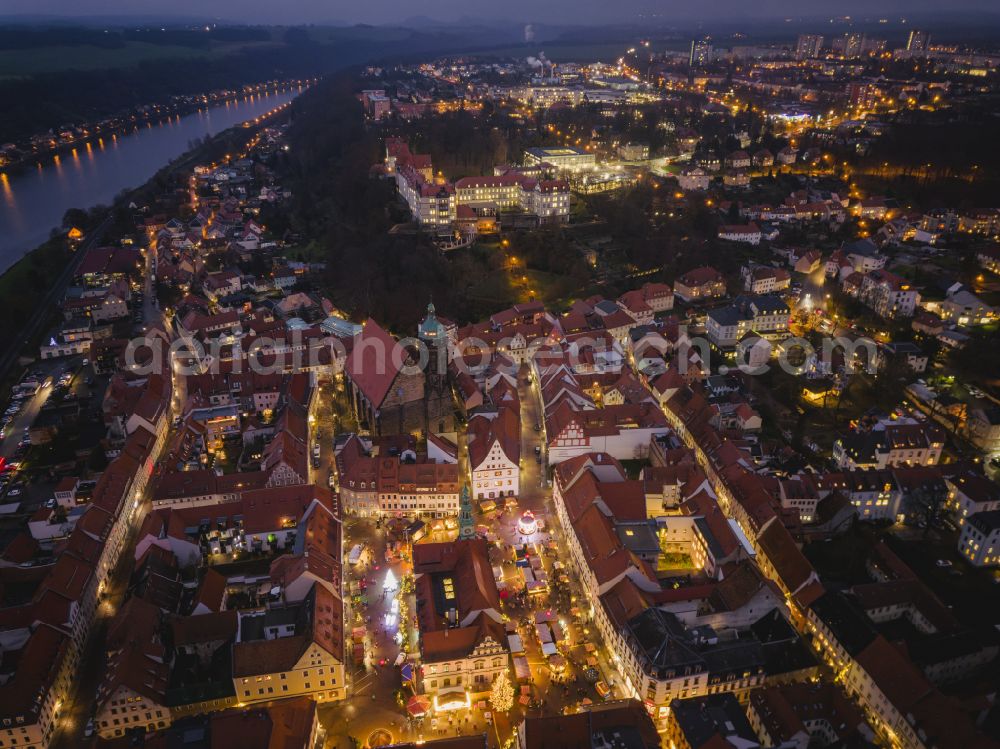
(502,694)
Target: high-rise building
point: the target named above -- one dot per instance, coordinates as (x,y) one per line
(864,95)
(808,46)
(873,47)
(919,41)
(701,52)
(853,43)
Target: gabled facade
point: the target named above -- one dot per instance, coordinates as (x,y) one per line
(495,454)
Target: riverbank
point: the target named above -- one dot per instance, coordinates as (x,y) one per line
(133,122)
(28,291)
(34,202)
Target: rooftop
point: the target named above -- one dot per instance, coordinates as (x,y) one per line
(703,718)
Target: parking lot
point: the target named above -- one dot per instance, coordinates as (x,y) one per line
(34,457)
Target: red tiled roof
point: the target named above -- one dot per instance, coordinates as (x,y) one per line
(21,549)
(618,319)
(576,467)
(625,499)
(601,547)
(99,260)
(783,709)
(906,592)
(262,510)
(790,564)
(458,642)
(177,484)
(212,591)
(579,729)
(504,428)
(374,362)
(38,663)
(705,506)
(634,301)
(282,654)
(898,679)
(136,615)
(469,566)
(700,276)
(750,228)
(623,601)
(190,630)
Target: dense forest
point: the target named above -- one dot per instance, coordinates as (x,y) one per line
(74,36)
(343,216)
(939,159)
(346,215)
(35,103)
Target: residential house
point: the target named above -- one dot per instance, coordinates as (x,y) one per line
(621,723)
(133,692)
(964,308)
(395,485)
(494,449)
(889,295)
(979,540)
(291,650)
(890,445)
(694,178)
(863,255)
(701,283)
(763,159)
(716,720)
(766,315)
(463,642)
(763,279)
(906,353)
(746,233)
(658,296)
(797,714)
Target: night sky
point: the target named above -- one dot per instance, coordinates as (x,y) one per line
(548,11)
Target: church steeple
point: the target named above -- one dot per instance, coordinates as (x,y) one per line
(466,523)
(431,330)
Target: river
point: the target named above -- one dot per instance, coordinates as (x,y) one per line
(33,201)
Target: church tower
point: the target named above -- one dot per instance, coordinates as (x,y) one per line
(440,409)
(435,337)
